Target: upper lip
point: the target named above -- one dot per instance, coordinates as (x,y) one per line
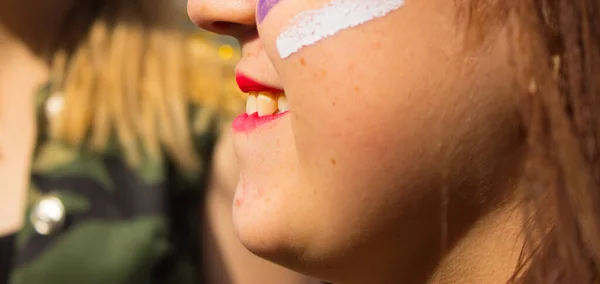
(248,85)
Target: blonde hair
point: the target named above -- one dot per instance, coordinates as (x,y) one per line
(129,75)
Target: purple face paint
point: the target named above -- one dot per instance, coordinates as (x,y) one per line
(264,6)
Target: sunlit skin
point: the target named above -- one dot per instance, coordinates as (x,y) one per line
(399,155)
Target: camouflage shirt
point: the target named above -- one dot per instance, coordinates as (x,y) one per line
(115,223)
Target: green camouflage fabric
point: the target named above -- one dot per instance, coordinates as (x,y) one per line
(123,225)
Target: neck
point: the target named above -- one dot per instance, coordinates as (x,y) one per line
(487,253)
(484,239)
(32,24)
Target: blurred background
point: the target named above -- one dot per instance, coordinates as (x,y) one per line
(209,49)
(110,122)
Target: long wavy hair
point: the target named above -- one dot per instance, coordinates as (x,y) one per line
(556,56)
(126,69)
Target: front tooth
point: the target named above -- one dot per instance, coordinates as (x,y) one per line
(251,104)
(265,104)
(282,104)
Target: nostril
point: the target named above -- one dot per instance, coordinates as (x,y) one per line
(223,27)
(233,29)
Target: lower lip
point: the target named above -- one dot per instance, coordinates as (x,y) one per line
(247,123)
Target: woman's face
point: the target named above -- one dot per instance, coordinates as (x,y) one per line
(391,119)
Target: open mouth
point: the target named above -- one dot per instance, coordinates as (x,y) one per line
(263,104)
(266,103)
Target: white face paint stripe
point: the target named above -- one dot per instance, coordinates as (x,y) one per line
(310,27)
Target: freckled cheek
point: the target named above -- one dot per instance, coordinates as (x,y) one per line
(328,102)
(337,120)
(341,159)
(324,94)
(330,132)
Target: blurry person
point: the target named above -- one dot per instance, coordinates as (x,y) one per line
(114,168)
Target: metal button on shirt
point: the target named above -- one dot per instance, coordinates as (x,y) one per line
(48,215)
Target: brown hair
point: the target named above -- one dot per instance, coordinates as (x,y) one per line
(128,73)
(556,52)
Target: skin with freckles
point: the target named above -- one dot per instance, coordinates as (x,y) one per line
(398,158)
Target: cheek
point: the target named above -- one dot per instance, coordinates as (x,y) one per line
(351,113)
(357,135)
(375,110)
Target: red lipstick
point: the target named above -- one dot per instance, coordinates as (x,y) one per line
(248,122)
(248,85)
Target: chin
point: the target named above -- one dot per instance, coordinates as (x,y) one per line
(259,233)
(294,254)
(258,222)
(271,245)
(263,236)
(283,241)
(269,229)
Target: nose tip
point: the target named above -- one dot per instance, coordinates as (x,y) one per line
(227,17)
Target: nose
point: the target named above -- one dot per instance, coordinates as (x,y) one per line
(227,17)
